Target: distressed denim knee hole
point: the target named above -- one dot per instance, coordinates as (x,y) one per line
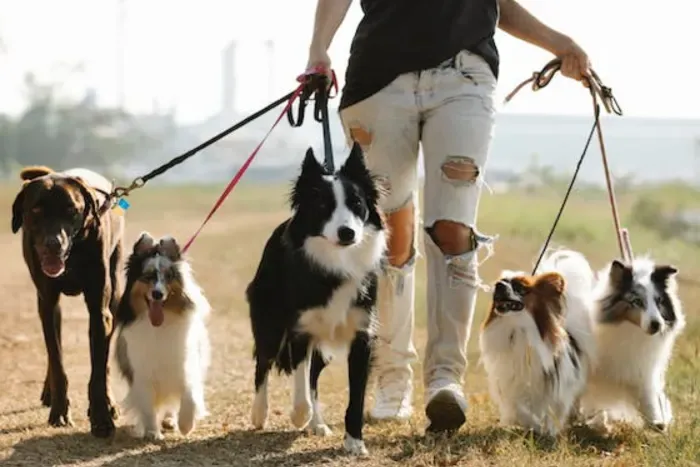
(460,170)
(361,135)
(463,268)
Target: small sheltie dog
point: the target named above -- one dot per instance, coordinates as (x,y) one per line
(638,317)
(314,292)
(537,344)
(162,344)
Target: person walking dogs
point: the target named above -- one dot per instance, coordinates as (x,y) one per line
(425,72)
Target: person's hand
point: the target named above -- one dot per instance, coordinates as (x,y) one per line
(575,63)
(318,57)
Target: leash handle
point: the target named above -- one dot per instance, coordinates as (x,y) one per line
(542,78)
(318,82)
(313,79)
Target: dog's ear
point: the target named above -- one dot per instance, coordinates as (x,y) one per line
(170,248)
(551,283)
(356,170)
(662,273)
(620,274)
(354,167)
(34,171)
(18,210)
(144,243)
(91,211)
(27,198)
(311,166)
(311,172)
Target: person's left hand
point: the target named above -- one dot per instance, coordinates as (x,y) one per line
(575,63)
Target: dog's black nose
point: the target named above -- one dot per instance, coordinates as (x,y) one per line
(654,327)
(156,295)
(53,245)
(501,289)
(346,235)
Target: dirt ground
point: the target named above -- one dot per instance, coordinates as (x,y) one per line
(223,259)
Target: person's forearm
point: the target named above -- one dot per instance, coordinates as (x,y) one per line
(329,15)
(518,22)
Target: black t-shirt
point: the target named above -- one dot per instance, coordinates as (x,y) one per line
(400,36)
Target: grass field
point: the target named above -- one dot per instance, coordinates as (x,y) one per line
(224,258)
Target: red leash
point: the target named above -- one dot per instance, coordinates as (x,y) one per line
(303,79)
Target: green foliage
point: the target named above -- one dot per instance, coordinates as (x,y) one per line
(61,133)
(667,211)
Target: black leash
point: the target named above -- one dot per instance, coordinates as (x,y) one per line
(141,181)
(568,190)
(319,86)
(313,82)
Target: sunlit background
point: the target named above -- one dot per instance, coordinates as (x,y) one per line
(183,70)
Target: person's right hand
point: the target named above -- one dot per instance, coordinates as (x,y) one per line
(318,57)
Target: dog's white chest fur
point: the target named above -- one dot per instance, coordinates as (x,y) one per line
(334,326)
(170,355)
(631,363)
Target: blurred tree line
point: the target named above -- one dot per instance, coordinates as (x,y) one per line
(64,133)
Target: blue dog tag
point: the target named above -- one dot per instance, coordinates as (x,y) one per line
(121,206)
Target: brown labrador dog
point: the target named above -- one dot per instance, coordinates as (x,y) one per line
(71,245)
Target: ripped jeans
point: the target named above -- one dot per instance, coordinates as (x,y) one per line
(449,110)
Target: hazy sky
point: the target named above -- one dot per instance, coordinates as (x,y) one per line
(645,50)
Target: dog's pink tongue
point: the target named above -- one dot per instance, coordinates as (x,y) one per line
(52,266)
(155,313)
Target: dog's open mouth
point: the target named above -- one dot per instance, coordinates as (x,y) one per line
(155,311)
(507,306)
(52,265)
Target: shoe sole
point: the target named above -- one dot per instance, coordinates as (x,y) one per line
(444,413)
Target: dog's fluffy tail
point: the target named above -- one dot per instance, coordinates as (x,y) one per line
(580,280)
(575,269)
(34,171)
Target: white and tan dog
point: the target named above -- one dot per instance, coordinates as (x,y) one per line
(638,317)
(162,345)
(537,343)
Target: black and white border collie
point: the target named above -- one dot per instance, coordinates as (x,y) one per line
(313,295)
(162,345)
(638,317)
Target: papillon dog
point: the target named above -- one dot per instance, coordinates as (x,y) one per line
(638,317)
(537,344)
(314,292)
(162,344)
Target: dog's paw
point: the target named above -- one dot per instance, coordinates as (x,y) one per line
(258,416)
(101,421)
(301,415)
(186,422)
(60,415)
(169,422)
(320,430)
(153,435)
(600,423)
(355,447)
